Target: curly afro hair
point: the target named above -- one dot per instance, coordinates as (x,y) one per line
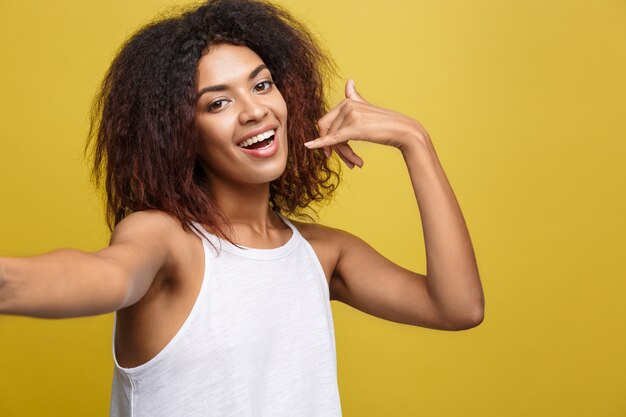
(142,123)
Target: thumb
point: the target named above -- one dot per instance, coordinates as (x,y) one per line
(352,93)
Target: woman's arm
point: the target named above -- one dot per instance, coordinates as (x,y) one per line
(453,278)
(73,283)
(450,296)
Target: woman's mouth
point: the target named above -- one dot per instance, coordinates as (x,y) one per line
(260,141)
(261,146)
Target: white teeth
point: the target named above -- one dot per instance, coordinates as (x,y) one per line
(257,138)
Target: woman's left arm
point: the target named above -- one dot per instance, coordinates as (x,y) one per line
(451,289)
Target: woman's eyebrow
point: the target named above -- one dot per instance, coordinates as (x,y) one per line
(221,87)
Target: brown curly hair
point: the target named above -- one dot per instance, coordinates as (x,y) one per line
(142,122)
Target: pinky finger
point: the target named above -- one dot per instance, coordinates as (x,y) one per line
(343,158)
(346,151)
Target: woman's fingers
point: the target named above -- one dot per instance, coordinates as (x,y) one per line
(325,122)
(345,150)
(339,120)
(338,136)
(329,124)
(348,162)
(350,92)
(324,125)
(335,127)
(356,119)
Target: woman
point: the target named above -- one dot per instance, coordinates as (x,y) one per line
(210,130)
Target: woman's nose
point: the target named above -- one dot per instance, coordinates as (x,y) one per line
(252,108)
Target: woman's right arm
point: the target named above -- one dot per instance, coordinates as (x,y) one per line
(73,283)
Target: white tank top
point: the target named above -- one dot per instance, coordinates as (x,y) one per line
(259,342)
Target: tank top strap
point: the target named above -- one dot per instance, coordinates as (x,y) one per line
(196,228)
(294,229)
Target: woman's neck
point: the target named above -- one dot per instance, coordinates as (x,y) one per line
(247,208)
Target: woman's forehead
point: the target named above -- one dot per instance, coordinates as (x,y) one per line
(226,63)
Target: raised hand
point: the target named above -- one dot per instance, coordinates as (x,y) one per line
(356,119)
(450,295)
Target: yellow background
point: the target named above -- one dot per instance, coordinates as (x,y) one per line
(526,105)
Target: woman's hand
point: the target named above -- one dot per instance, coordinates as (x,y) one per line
(356,119)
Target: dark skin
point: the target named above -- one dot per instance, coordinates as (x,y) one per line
(152,270)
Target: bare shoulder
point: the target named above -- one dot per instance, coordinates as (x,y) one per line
(158,232)
(153,228)
(146,223)
(330,237)
(321,234)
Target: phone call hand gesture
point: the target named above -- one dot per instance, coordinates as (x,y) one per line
(356,119)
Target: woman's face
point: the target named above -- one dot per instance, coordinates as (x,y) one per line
(237,104)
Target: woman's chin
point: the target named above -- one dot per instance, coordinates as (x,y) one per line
(265,175)
(274,175)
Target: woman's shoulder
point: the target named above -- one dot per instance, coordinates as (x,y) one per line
(157,231)
(148,221)
(317,232)
(152,227)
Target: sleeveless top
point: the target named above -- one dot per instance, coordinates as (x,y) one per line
(259,342)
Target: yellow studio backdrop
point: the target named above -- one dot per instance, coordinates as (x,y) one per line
(524,102)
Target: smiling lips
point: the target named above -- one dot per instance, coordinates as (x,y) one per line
(262,145)
(248,143)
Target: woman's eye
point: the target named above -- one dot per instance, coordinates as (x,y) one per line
(216,105)
(265,85)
